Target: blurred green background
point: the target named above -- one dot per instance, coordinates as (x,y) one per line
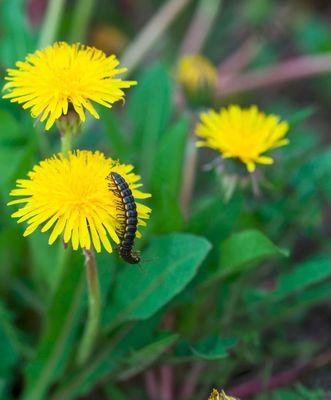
(235,290)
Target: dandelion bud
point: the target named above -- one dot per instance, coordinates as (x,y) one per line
(198,77)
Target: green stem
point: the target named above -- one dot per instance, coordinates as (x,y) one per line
(66,141)
(80,20)
(51,22)
(68,126)
(94,297)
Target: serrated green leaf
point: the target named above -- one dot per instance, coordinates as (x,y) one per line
(303,287)
(302,276)
(138,295)
(243,251)
(145,356)
(247,246)
(213,347)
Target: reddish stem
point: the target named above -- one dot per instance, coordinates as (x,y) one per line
(191,381)
(256,386)
(283,72)
(166,382)
(238,60)
(151,385)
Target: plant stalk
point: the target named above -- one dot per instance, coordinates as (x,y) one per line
(191,381)
(94,310)
(68,126)
(66,142)
(151,384)
(166,382)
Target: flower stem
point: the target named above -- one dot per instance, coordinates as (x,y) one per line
(166,386)
(66,141)
(192,379)
(80,21)
(51,22)
(69,126)
(91,328)
(151,385)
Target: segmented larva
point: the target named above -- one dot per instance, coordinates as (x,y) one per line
(128,217)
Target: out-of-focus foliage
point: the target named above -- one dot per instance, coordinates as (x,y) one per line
(238,286)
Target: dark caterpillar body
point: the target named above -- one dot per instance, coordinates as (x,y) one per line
(128,217)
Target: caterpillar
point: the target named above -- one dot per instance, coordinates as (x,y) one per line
(128,217)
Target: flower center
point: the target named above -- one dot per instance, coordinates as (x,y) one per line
(66,83)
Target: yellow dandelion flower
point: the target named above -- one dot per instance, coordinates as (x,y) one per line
(243,133)
(216,395)
(50,81)
(196,72)
(70,195)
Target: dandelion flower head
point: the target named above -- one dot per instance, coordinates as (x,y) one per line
(69,195)
(50,81)
(243,133)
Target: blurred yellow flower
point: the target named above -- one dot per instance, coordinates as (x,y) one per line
(108,38)
(244,133)
(70,194)
(216,395)
(196,72)
(50,81)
